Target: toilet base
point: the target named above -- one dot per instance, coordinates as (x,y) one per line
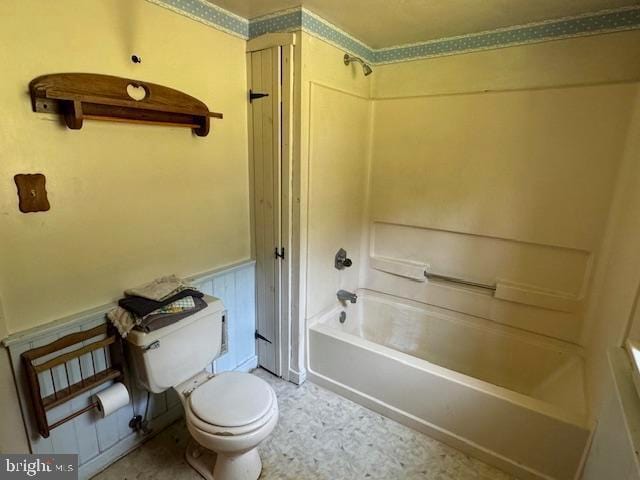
(212,466)
(200,459)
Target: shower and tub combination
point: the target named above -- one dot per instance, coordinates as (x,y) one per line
(512,398)
(464,375)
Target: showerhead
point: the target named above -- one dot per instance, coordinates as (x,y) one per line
(366,69)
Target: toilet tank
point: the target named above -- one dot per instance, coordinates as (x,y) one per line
(171,355)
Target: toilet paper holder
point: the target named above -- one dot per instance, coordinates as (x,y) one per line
(56,375)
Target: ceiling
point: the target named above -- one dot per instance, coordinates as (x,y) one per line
(384,23)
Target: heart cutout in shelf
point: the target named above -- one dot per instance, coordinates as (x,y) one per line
(137,92)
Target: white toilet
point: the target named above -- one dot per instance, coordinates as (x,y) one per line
(229,414)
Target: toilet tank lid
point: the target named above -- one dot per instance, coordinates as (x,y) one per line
(143,339)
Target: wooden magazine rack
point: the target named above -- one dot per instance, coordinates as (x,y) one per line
(36,368)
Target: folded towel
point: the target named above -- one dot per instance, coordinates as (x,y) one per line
(156,321)
(160,289)
(186,303)
(156,304)
(126,321)
(142,307)
(123,320)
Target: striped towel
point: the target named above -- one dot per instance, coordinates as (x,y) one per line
(181,305)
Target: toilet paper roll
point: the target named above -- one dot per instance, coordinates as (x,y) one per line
(111,399)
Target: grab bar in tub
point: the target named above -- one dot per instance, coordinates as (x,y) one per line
(460,281)
(419,271)
(501,290)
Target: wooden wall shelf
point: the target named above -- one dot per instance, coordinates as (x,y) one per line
(79,96)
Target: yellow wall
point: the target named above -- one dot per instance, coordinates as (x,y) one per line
(501,165)
(128,203)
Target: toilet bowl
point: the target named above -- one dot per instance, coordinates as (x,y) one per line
(228,414)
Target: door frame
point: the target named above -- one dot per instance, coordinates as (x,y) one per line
(286,42)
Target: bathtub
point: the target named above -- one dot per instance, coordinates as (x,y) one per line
(513,399)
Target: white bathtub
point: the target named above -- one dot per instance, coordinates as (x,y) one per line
(513,399)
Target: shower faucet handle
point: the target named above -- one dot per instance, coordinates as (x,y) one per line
(341,260)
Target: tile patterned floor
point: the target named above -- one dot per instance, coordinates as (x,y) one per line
(320,436)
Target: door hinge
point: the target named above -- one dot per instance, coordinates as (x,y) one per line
(260,337)
(253,96)
(279,254)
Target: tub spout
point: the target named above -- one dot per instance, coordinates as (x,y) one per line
(345,296)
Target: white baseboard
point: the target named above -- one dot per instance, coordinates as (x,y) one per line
(297,377)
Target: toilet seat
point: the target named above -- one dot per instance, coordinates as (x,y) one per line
(230,404)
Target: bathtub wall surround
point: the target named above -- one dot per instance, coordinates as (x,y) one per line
(332,120)
(99,441)
(299,18)
(337,159)
(451,187)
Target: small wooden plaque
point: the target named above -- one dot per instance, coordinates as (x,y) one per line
(32,192)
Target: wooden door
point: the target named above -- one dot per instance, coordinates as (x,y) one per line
(266,152)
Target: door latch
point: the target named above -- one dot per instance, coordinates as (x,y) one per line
(253,96)
(260,337)
(279,254)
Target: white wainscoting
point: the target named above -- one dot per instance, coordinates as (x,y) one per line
(100,441)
